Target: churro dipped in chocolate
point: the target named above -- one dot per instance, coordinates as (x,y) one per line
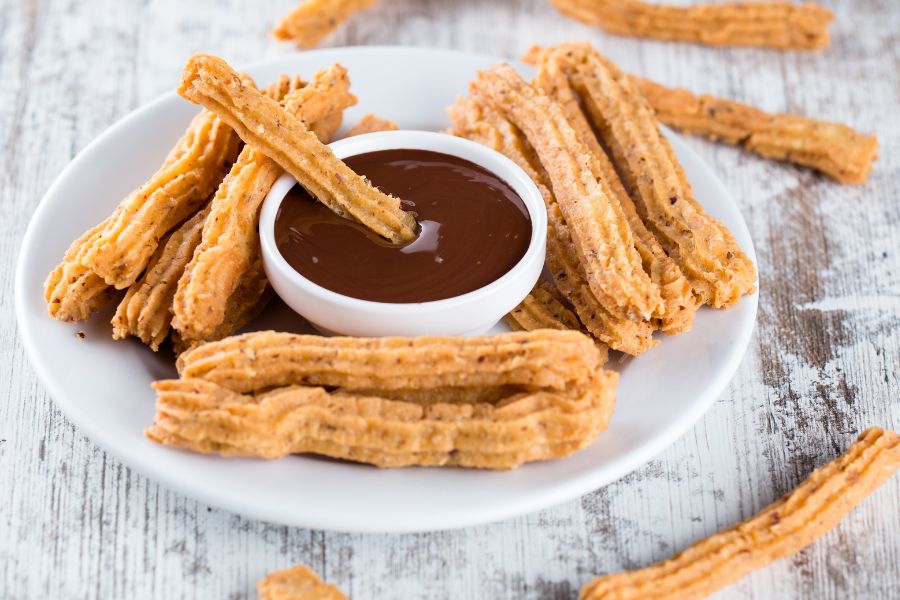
(273,131)
(780,25)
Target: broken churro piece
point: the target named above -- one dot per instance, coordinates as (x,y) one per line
(603,240)
(272,130)
(146,310)
(72,291)
(832,148)
(781,25)
(523,427)
(230,243)
(297,583)
(260,360)
(779,530)
(191,173)
(371,123)
(703,248)
(314,20)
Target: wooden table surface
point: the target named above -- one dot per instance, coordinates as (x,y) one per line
(823,365)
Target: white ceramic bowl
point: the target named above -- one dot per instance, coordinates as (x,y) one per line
(469,314)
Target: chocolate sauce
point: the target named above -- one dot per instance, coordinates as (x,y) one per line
(474,228)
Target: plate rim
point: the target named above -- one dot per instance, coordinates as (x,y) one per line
(572,488)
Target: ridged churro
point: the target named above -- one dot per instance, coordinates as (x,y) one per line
(703,248)
(191,173)
(679,303)
(272,130)
(834,149)
(486,126)
(370,124)
(779,530)
(297,583)
(231,238)
(540,310)
(257,361)
(72,291)
(781,25)
(599,229)
(527,426)
(146,310)
(314,20)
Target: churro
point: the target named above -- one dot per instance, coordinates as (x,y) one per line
(526,426)
(834,149)
(781,25)
(297,583)
(540,310)
(191,173)
(603,240)
(314,20)
(72,291)
(486,126)
(679,303)
(272,130)
(370,124)
(779,530)
(146,310)
(230,240)
(706,252)
(257,361)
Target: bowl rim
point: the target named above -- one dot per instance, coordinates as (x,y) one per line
(444,143)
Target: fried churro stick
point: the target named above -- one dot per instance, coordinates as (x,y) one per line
(679,303)
(703,248)
(263,124)
(146,310)
(487,127)
(599,229)
(834,149)
(779,530)
(231,238)
(314,20)
(174,193)
(72,291)
(265,359)
(371,123)
(297,583)
(535,425)
(780,25)
(540,310)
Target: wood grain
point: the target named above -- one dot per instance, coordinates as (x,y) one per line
(75,523)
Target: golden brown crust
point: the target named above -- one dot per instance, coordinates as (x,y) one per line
(314,20)
(146,310)
(679,303)
(540,310)
(230,242)
(834,149)
(599,230)
(72,291)
(371,123)
(523,427)
(486,126)
(781,25)
(261,360)
(272,130)
(703,248)
(781,529)
(297,583)
(174,193)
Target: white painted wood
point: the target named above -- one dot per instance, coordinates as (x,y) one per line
(74,523)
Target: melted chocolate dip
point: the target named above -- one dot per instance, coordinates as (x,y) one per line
(474,228)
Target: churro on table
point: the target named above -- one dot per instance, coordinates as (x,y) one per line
(273,131)
(297,583)
(781,529)
(780,25)
(314,20)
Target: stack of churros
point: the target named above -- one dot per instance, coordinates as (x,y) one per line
(492,402)
(629,254)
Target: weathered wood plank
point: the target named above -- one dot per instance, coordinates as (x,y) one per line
(74,522)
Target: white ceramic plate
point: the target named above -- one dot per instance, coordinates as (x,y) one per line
(104,386)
